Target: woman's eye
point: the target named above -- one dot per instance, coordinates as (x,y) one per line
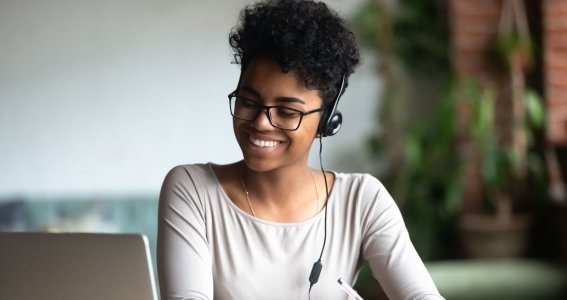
(247,103)
(287,113)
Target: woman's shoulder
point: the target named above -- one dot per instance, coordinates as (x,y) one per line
(195,172)
(366,196)
(358,179)
(201,173)
(361,188)
(190,168)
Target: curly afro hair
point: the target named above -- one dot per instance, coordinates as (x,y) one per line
(303,36)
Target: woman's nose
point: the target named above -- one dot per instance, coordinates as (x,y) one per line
(262,120)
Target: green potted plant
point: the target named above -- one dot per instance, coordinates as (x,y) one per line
(502,151)
(504,169)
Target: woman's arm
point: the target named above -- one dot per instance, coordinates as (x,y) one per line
(183,253)
(389,251)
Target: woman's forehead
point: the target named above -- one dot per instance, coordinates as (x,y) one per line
(268,74)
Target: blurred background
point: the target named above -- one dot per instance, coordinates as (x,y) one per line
(459,107)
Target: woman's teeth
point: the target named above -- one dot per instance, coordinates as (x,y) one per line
(261,143)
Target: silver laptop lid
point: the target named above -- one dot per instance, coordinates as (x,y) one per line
(71,266)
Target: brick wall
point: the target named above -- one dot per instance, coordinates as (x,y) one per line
(555,66)
(473,26)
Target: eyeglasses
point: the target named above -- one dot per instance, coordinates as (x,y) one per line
(281,117)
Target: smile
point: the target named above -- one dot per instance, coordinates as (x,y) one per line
(262,143)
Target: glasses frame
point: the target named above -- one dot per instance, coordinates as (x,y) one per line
(266,108)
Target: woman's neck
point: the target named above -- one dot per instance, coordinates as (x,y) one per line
(288,193)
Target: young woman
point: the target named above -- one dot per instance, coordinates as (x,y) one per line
(269,226)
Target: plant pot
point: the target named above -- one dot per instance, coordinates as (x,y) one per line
(486,236)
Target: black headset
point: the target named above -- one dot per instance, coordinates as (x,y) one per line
(332,119)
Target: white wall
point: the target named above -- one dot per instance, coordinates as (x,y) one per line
(106,96)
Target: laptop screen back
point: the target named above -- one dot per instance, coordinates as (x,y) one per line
(75,266)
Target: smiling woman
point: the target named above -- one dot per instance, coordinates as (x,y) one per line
(264,81)
(252,229)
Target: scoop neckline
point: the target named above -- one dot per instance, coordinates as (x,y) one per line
(244,214)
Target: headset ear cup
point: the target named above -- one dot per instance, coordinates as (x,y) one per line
(334,124)
(332,119)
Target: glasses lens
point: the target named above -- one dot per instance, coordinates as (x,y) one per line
(243,108)
(285,118)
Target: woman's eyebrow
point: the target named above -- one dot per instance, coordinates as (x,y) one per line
(250,90)
(289,100)
(255,93)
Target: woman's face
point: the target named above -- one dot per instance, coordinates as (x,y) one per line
(264,146)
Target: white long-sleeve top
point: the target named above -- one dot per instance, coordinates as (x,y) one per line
(208,248)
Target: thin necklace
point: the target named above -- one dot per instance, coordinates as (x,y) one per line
(245,190)
(246,194)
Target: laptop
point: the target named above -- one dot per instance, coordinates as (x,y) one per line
(75,266)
